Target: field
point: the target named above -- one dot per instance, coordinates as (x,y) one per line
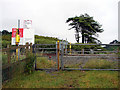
(65,79)
(62,79)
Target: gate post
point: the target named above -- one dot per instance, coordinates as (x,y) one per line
(27,50)
(35,56)
(62,54)
(58,52)
(70,48)
(31,48)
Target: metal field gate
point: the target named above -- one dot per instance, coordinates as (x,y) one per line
(46,56)
(90,57)
(77,56)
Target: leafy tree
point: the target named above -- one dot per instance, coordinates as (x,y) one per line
(88,28)
(114,42)
(113,48)
(4,32)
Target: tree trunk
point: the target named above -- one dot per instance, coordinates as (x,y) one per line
(77,36)
(83,39)
(77,39)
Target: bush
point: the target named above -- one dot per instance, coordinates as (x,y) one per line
(99,64)
(5,43)
(30,63)
(4,59)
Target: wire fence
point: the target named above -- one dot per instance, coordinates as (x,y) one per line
(45,57)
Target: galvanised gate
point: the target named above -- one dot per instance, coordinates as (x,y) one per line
(66,56)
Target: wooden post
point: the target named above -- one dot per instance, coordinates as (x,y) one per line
(27,50)
(58,52)
(118,49)
(62,54)
(70,48)
(9,59)
(8,54)
(31,48)
(83,51)
(17,54)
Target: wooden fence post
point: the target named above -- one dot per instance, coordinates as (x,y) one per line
(118,49)
(9,60)
(31,48)
(70,48)
(27,50)
(58,52)
(8,54)
(83,51)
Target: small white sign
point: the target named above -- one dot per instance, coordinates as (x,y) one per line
(27,24)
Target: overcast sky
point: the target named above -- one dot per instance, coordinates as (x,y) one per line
(49,16)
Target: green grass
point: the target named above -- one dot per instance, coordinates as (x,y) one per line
(73,65)
(100,64)
(94,64)
(65,79)
(44,62)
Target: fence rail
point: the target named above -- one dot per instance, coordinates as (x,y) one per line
(10,67)
(97,44)
(15,47)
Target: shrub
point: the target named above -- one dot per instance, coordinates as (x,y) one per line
(30,63)
(4,59)
(5,43)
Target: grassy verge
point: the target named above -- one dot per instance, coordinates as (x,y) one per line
(65,79)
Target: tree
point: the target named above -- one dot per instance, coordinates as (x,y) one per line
(113,48)
(5,32)
(88,28)
(114,42)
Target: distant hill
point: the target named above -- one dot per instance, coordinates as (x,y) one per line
(45,40)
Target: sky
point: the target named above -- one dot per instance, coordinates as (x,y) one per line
(49,16)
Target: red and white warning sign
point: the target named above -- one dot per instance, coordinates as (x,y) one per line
(14,36)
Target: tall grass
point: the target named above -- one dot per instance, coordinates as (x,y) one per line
(100,64)
(43,62)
